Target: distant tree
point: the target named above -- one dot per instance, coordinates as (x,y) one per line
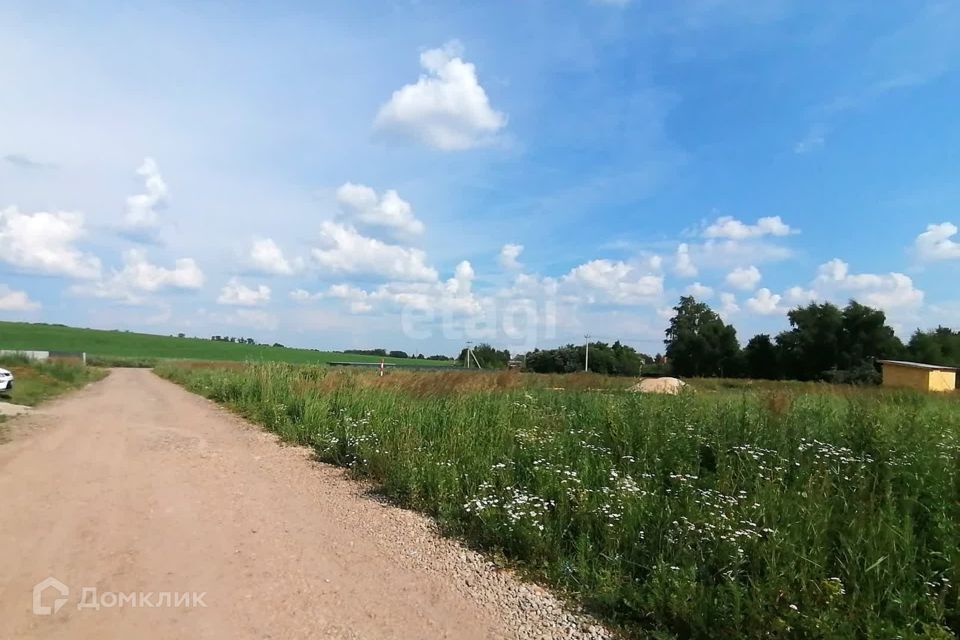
(627,361)
(278,345)
(825,339)
(439,357)
(699,343)
(866,337)
(251,341)
(367,352)
(420,356)
(487,356)
(181,335)
(565,359)
(615,359)
(812,346)
(398,354)
(761,358)
(940,346)
(602,358)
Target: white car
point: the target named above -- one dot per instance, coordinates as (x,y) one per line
(6,380)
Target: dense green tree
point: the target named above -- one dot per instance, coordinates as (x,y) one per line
(487,356)
(617,359)
(865,337)
(628,361)
(699,343)
(761,358)
(940,346)
(825,340)
(812,346)
(565,359)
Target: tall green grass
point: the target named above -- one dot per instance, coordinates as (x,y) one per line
(36,381)
(715,515)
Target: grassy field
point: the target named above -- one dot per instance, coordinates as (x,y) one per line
(119,348)
(737,513)
(35,382)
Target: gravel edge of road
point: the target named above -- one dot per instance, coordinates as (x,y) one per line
(529,611)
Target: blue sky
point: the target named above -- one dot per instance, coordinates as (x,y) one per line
(418,174)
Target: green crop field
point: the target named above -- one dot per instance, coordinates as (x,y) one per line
(144,347)
(780,512)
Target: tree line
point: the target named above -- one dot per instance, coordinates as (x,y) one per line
(824,342)
(488,357)
(227,339)
(617,360)
(383,353)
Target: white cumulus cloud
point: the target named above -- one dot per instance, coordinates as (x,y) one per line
(509,254)
(362,205)
(139,276)
(617,282)
(698,290)
(733,229)
(142,207)
(885,291)
(764,302)
(267,257)
(799,295)
(446,108)
(13,300)
(145,276)
(43,242)
(454,296)
(530,287)
(744,277)
(728,304)
(302,295)
(683,263)
(236,293)
(935,243)
(345,250)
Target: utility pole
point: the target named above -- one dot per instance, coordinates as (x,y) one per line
(586,353)
(469,352)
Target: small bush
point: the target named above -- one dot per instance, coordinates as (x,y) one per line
(865,374)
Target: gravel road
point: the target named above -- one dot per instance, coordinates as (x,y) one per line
(175,519)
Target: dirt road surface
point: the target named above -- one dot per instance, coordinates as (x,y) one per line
(135,486)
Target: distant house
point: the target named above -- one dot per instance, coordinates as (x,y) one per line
(914,375)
